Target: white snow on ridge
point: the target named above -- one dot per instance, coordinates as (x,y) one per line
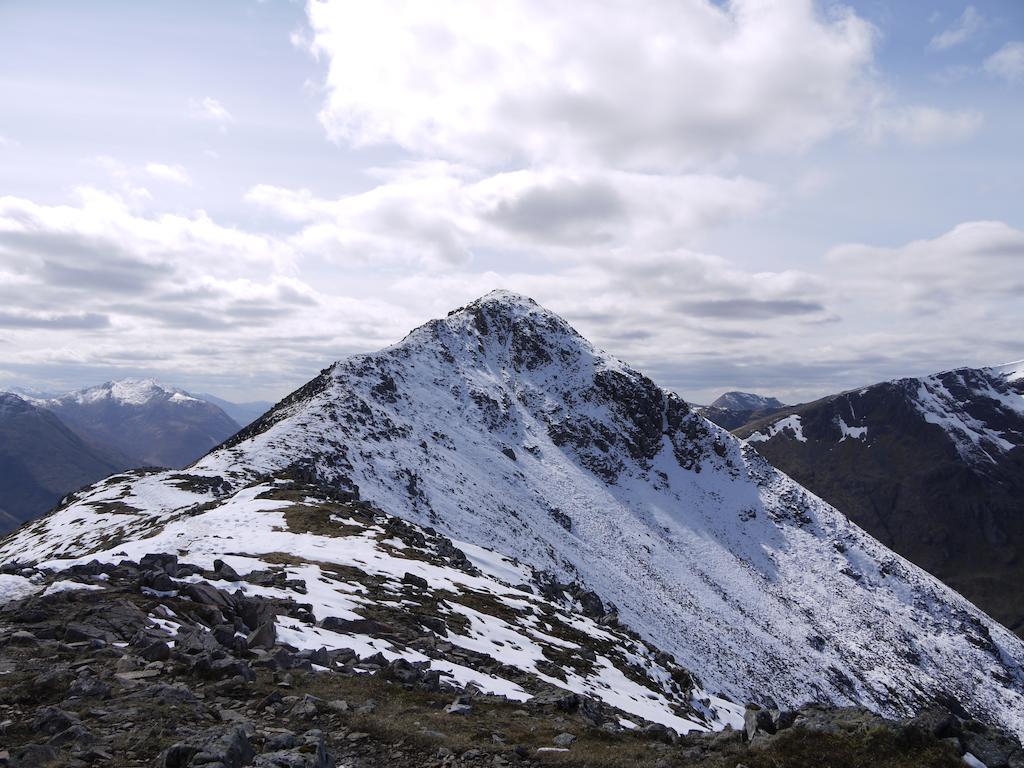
(1010,371)
(247,522)
(975,440)
(124,391)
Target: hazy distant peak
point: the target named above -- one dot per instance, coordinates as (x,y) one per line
(745,401)
(128,392)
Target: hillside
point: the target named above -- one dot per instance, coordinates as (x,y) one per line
(41,461)
(933,467)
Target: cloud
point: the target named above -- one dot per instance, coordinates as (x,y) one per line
(54,321)
(211,110)
(174,293)
(527,82)
(184,296)
(751,309)
(923,125)
(1007,62)
(441,214)
(172,173)
(971,268)
(965,27)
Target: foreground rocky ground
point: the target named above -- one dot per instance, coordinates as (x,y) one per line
(134,674)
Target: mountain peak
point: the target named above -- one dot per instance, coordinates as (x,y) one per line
(501,427)
(11,402)
(502,298)
(128,391)
(502,309)
(745,401)
(502,332)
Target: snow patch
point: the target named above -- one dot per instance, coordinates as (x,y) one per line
(791,423)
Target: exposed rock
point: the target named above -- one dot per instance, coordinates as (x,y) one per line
(224,571)
(461,706)
(414,580)
(264,636)
(757,720)
(231,749)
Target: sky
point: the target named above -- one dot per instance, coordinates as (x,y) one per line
(780,196)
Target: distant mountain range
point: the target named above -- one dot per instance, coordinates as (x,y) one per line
(931,466)
(56,444)
(148,423)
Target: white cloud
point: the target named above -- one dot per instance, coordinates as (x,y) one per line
(211,110)
(965,27)
(95,284)
(436,213)
(654,88)
(923,125)
(976,266)
(1007,62)
(168,292)
(173,173)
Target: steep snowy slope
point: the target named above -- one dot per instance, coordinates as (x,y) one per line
(374,584)
(149,423)
(932,466)
(502,427)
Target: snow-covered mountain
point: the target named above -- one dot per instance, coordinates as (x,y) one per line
(932,466)
(734,409)
(40,461)
(150,424)
(501,427)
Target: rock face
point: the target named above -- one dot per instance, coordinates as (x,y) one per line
(734,409)
(151,425)
(933,467)
(690,538)
(41,460)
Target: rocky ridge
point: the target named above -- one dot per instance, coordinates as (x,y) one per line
(162,662)
(500,427)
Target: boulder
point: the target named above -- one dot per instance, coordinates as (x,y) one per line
(156,650)
(50,721)
(416,581)
(225,571)
(461,706)
(204,594)
(228,749)
(757,720)
(264,636)
(660,732)
(157,561)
